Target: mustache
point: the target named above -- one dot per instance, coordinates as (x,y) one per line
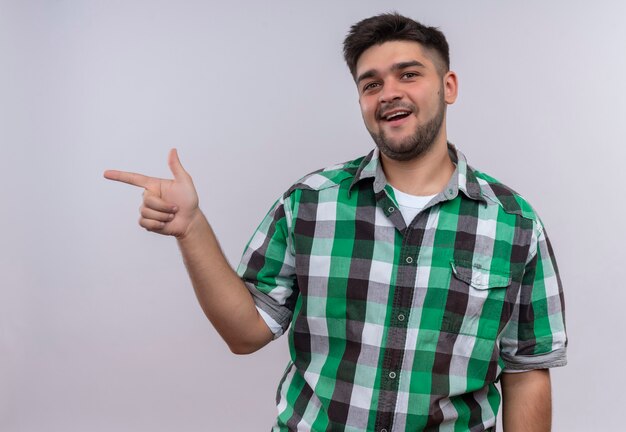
(394,106)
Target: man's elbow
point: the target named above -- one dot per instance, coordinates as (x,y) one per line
(256,335)
(245,348)
(252,343)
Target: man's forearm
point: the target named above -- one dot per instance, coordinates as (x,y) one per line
(223,296)
(527,403)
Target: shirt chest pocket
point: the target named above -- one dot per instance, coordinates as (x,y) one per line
(480,277)
(475,299)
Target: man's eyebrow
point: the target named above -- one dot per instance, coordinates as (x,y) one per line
(395,67)
(369,74)
(407,64)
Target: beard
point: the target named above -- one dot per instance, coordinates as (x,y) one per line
(415,145)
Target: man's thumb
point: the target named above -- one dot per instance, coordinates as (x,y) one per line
(175,166)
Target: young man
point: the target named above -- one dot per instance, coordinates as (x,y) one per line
(410,283)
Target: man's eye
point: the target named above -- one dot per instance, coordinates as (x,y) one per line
(409,75)
(370,86)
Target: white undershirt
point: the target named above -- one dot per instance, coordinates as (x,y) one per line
(411,205)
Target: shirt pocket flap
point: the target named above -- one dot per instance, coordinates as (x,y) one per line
(480,276)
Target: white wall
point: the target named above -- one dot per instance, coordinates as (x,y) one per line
(99,326)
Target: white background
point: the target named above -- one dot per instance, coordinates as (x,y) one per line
(99,326)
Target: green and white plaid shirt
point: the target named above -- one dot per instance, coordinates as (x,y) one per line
(396,327)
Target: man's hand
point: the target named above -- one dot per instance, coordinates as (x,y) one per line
(169,206)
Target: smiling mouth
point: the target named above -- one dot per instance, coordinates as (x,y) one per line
(398,115)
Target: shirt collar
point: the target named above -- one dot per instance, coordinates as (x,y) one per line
(463,179)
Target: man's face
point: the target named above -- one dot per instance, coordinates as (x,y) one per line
(403,97)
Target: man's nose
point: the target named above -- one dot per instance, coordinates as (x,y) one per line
(391,91)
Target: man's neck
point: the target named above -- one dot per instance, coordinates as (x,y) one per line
(425,175)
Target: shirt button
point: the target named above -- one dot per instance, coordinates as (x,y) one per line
(401,317)
(383,430)
(391,209)
(409,260)
(450,191)
(392,375)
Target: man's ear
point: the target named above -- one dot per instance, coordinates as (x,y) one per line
(450,87)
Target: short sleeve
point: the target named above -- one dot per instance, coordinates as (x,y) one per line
(535,338)
(267,268)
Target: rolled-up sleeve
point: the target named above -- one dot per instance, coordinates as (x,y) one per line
(267,268)
(535,338)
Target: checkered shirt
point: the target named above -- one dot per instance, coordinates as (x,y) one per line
(396,327)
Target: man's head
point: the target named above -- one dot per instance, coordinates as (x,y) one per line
(402,73)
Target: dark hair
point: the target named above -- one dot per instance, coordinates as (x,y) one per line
(393,27)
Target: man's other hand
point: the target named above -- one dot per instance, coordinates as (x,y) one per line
(169,206)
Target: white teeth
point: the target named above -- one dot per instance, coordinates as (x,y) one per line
(389,117)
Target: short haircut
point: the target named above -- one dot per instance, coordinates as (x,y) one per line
(388,27)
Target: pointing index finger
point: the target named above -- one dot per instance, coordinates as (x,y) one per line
(128,178)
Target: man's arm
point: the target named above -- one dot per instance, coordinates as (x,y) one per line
(222,294)
(170,207)
(526,402)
